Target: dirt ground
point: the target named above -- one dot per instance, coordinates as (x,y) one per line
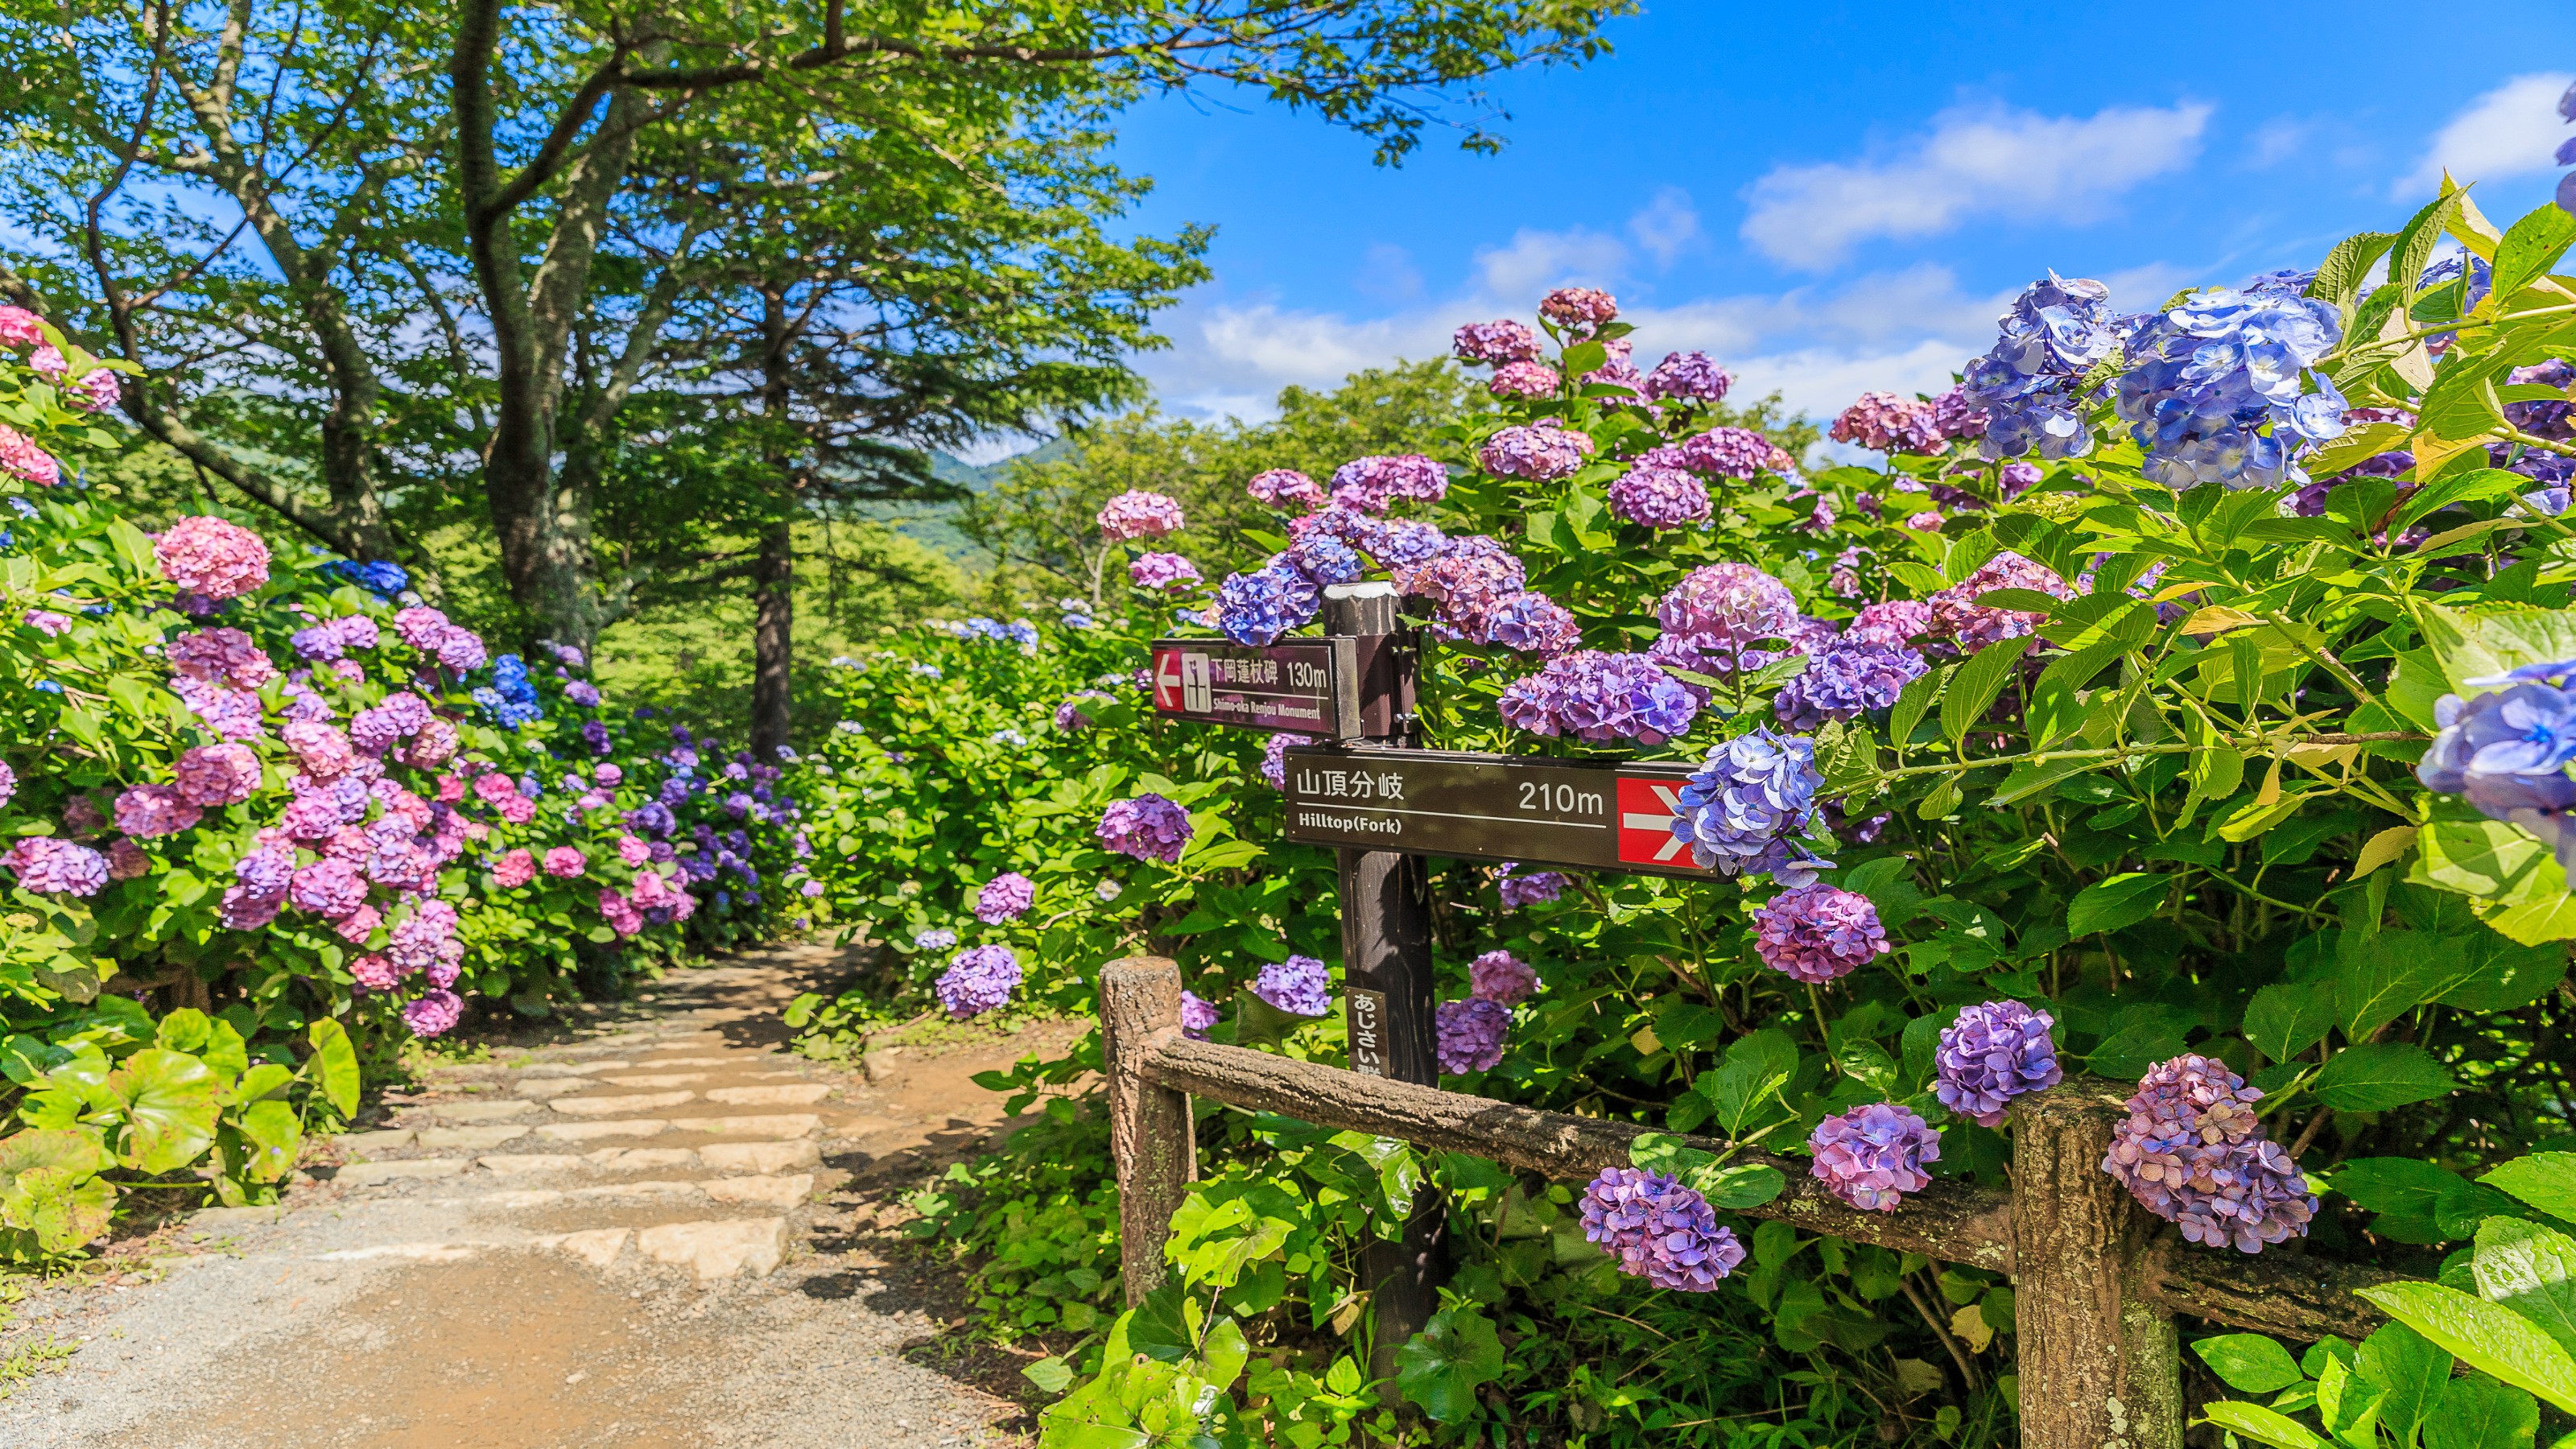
(651,1226)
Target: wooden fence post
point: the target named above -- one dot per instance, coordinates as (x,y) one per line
(2100,1366)
(1151,1135)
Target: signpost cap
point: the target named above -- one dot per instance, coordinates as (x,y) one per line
(1367,589)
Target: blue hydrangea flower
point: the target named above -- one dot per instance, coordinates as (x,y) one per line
(1256,608)
(2031,382)
(1322,558)
(2217,389)
(382,579)
(1845,679)
(1745,808)
(2507,753)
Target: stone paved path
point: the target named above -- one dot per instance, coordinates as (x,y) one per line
(651,1234)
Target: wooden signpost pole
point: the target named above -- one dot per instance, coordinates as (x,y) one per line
(1387,992)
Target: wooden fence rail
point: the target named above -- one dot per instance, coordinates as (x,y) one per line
(2097,1278)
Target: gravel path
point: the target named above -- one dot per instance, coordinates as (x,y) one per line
(646,1234)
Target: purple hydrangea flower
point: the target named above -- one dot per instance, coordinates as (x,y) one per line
(330,888)
(1957,415)
(977,980)
(9,780)
(1197,1016)
(1069,716)
(2194,1153)
(49,866)
(1281,487)
(1730,606)
(1659,497)
(152,810)
(1274,758)
(1005,898)
(1470,1034)
(1993,1053)
(1163,572)
(434,1014)
(1300,986)
(1728,452)
(2030,383)
(1502,977)
(1256,608)
(1542,452)
(1148,827)
(2506,752)
(1659,1230)
(1816,933)
(1500,341)
(936,939)
(1688,377)
(1400,545)
(1597,696)
(1368,485)
(1746,804)
(1845,679)
(1872,1156)
(1466,580)
(1520,888)
(1532,623)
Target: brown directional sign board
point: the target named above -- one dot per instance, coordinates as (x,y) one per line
(1586,814)
(1337,687)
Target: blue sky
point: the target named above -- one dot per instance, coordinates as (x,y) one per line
(1831,197)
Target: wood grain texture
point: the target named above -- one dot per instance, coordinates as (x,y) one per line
(1151,1136)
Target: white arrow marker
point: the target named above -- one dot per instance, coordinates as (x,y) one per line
(1171,677)
(1672,811)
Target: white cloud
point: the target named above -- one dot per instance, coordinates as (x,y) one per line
(1904,330)
(1974,160)
(1537,260)
(2509,131)
(1667,225)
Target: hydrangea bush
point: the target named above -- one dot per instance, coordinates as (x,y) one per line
(2185,699)
(261,823)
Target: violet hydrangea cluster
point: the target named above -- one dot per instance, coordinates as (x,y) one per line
(1659,497)
(1274,757)
(1521,888)
(1994,1052)
(1299,986)
(978,979)
(1688,377)
(1285,488)
(1500,976)
(1845,679)
(1957,617)
(1469,1034)
(1148,827)
(1746,809)
(1598,696)
(1871,1157)
(1541,452)
(1659,1230)
(1370,485)
(1005,897)
(1198,1016)
(1727,607)
(1498,342)
(1817,933)
(2195,1154)
(1580,311)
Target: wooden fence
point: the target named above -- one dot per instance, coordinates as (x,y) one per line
(2097,1278)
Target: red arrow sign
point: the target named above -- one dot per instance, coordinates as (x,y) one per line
(1167,679)
(1647,810)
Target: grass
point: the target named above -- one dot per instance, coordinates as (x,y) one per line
(22,1361)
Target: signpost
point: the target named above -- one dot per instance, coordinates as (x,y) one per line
(1384,806)
(1338,687)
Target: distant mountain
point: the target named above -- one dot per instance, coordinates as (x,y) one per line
(935,524)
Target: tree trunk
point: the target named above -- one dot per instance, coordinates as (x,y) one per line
(773,575)
(773,595)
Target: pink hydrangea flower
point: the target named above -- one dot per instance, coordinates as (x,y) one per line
(1543,452)
(220,656)
(434,1014)
(1891,424)
(329,888)
(375,973)
(1501,342)
(21,328)
(566,862)
(126,861)
(47,622)
(211,557)
(1730,453)
(1282,487)
(633,850)
(620,913)
(1370,484)
(48,866)
(514,869)
(1524,380)
(20,458)
(1137,514)
(95,391)
(1164,572)
(1500,976)
(1579,310)
(518,810)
